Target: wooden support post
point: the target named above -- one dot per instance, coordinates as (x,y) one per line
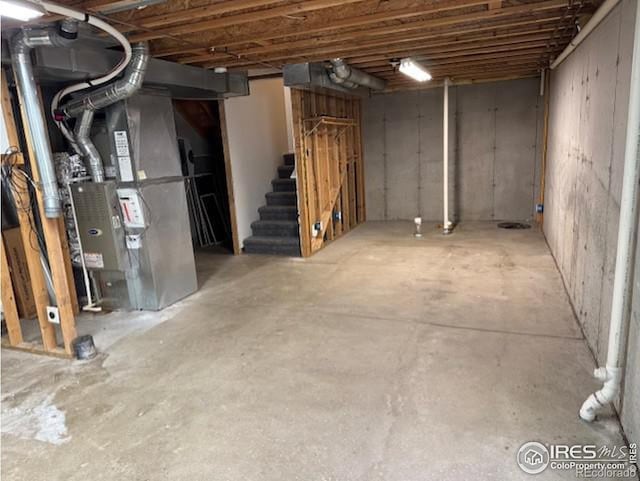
(29,239)
(359,165)
(8,300)
(302,163)
(545,140)
(229,178)
(54,240)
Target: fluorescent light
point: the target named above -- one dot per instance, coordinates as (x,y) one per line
(126,5)
(18,10)
(414,70)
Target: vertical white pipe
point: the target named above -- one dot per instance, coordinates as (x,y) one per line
(628,210)
(446,225)
(611,375)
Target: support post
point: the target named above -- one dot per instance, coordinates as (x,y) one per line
(29,239)
(54,237)
(446,224)
(8,300)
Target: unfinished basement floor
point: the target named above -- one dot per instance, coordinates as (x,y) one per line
(383,357)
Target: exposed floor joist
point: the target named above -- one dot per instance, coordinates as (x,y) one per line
(451,37)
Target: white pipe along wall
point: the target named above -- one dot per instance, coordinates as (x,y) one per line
(446,224)
(611,375)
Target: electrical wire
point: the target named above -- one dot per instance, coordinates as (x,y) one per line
(9,168)
(105,27)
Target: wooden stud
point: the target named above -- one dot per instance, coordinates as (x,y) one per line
(229,178)
(29,239)
(9,308)
(298,113)
(54,236)
(545,146)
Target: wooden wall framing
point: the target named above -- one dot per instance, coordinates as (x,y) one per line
(329,166)
(57,250)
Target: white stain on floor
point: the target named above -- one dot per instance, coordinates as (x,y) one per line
(31,419)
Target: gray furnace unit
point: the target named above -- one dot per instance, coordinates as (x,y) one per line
(134,227)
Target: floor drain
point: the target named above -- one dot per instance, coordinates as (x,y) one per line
(513,225)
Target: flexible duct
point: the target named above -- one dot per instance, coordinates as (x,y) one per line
(350,77)
(21,45)
(85,107)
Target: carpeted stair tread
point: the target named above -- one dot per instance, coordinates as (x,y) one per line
(289,246)
(285,171)
(281,198)
(275,228)
(278,212)
(283,185)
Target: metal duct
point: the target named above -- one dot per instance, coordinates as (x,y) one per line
(86,106)
(21,45)
(88,150)
(111,93)
(352,77)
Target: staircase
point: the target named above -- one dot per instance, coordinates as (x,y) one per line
(276,232)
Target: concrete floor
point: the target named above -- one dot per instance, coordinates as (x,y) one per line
(383,357)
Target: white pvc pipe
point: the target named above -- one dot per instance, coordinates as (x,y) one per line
(611,375)
(593,22)
(105,27)
(446,224)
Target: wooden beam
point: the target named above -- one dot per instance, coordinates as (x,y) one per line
(324,45)
(258,16)
(36,348)
(9,307)
(297,113)
(53,238)
(29,239)
(189,14)
(346,32)
(494,4)
(436,47)
(229,178)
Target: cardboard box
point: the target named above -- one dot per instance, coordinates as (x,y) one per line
(19,273)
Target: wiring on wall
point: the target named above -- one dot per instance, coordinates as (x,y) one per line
(19,181)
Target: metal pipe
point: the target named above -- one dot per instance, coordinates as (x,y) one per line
(593,22)
(119,90)
(611,375)
(21,45)
(85,107)
(352,77)
(89,151)
(446,224)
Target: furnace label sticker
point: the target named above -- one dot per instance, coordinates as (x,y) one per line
(122,143)
(126,172)
(93,260)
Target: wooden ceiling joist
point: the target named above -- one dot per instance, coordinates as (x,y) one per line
(451,37)
(331,44)
(345,26)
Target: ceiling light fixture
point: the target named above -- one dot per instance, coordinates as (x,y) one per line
(20,10)
(126,5)
(414,70)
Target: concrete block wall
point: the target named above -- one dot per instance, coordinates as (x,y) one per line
(587,123)
(494,152)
